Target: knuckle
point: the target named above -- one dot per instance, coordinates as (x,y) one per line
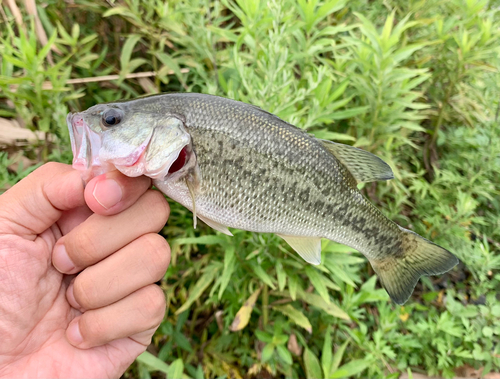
(81,247)
(157,257)
(154,304)
(157,206)
(93,327)
(84,292)
(49,168)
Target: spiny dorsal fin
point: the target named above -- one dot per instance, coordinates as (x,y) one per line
(309,248)
(364,166)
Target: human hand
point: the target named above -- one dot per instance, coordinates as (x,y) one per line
(95,313)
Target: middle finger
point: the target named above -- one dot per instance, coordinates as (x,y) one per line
(99,236)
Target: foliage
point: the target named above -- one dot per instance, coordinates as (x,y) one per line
(415,82)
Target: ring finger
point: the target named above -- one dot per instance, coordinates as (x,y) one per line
(142,262)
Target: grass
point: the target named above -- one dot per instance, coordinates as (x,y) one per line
(415,82)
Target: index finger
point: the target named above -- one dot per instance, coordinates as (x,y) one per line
(113,192)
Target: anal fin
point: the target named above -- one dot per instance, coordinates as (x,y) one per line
(309,248)
(215,225)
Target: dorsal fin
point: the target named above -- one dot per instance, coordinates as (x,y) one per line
(364,166)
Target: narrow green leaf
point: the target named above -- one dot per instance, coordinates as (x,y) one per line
(350,369)
(317,301)
(337,358)
(326,354)
(317,281)
(181,341)
(116,11)
(155,363)
(229,266)
(200,286)
(351,112)
(292,287)
(127,50)
(259,271)
(45,50)
(313,369)
(284,354)
(295,316)
(281,274)
(332,136)
(338,91)
(176,369)
(267,352)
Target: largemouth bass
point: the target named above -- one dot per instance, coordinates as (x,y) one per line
(235,165)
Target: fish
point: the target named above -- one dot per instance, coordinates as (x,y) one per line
(235,165)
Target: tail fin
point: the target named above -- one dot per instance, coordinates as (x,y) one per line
(399,273)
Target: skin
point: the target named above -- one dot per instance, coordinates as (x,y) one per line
(91,312)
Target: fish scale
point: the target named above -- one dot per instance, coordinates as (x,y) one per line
(248,169)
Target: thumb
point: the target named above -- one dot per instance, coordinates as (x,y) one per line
(37,202)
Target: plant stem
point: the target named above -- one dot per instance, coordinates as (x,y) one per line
(265,305)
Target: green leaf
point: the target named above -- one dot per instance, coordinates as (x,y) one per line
(295,316)
(326,354)
(337,357)
(317,281)
(348,113)
(45,50)
(313,369)
(176,369)
(155,363)
(293,285)
(259,271)
(127,49)
(317,301)
(332,136)
(118,11)
(350,369)
(284,354)
(281,274)
(267,352)
(182,341)
(229,266)
(200,286)
(263,336)
(171,64)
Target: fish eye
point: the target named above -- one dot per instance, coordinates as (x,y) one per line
(111,117)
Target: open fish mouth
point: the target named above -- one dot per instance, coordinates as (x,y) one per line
(92,157)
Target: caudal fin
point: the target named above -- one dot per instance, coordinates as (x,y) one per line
(399,272)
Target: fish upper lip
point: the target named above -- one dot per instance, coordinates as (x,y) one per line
(139,153)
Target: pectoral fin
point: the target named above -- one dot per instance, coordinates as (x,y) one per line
(308,248)
(364,166)
(215,225)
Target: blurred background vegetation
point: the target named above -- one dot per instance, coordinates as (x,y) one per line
(414,81)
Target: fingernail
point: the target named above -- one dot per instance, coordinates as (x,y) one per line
(108,193)
(73,333)
(71,298)
(61,261)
